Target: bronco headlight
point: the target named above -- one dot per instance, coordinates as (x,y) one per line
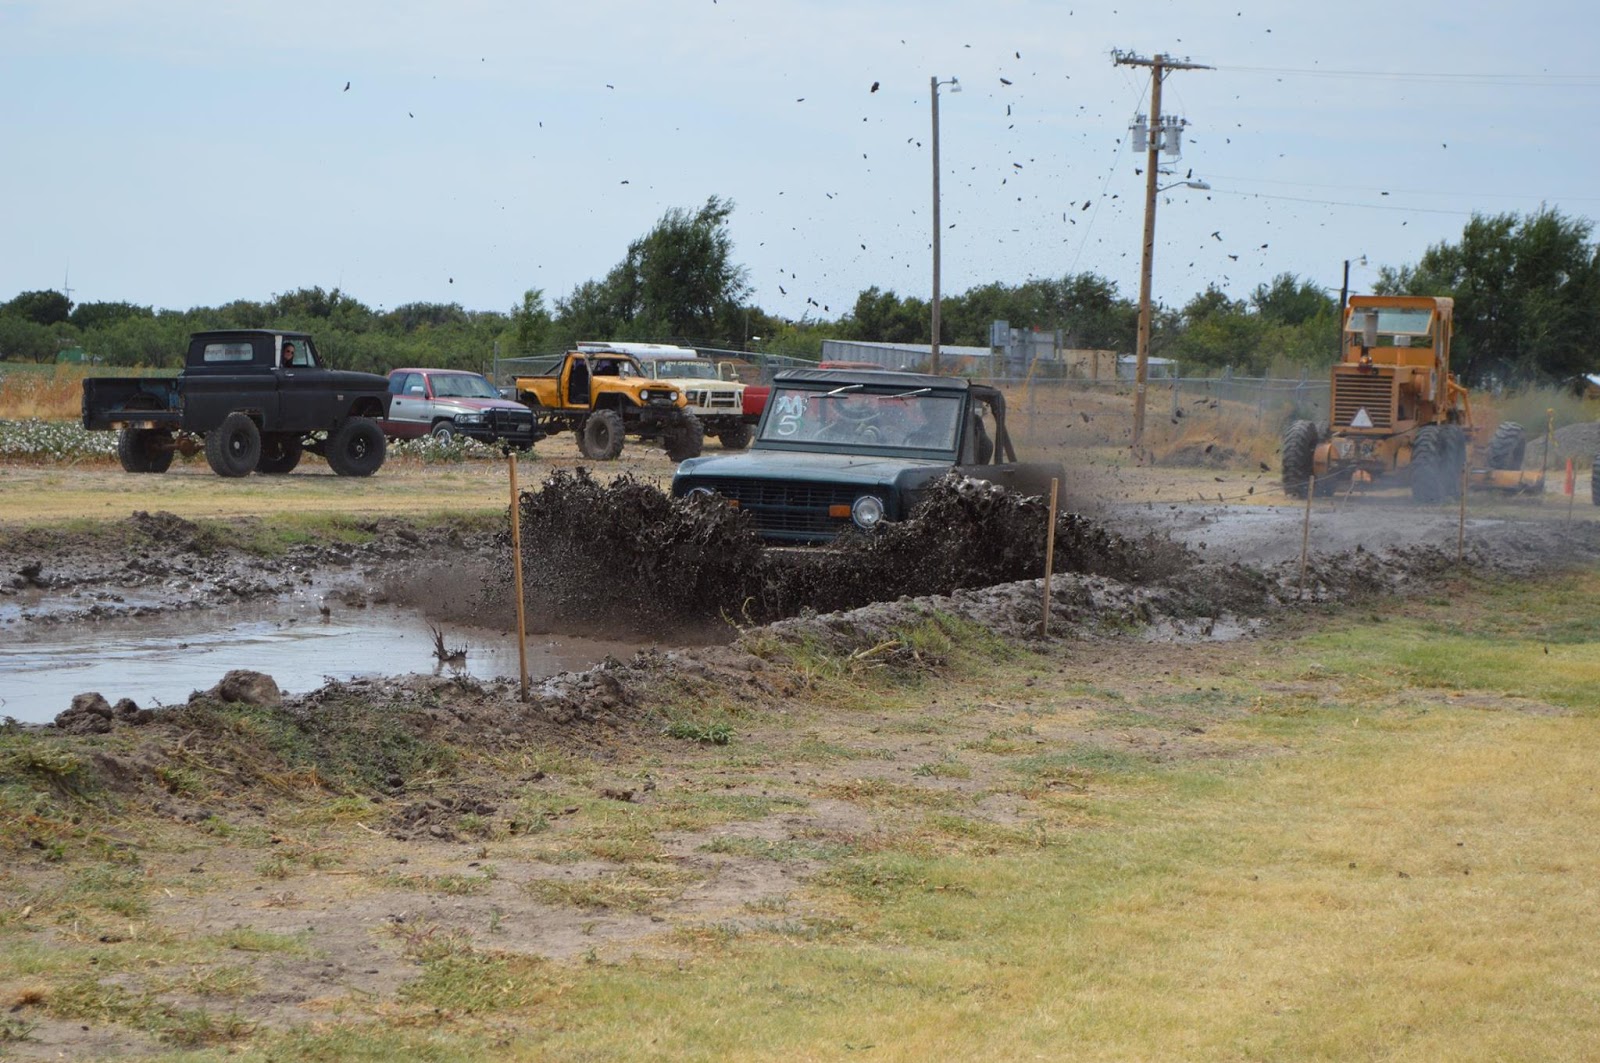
(673,396)
(867,512)
(698,492)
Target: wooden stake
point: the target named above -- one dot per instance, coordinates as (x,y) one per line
(1305,535)
(516,578)
(1050,553)
(1461,530)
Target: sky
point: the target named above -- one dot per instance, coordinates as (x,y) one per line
(180,153)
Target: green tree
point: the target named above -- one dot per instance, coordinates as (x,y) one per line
(677,280)
(588,313)
(1527,296)
(1288,300)
(883,317)
(23,340)
(531,322)
(99,315)
(1216,332)
(46,307)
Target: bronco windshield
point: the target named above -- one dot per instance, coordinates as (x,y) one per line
(463,386)
(855,417)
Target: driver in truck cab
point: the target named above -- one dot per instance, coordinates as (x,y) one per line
(288,354)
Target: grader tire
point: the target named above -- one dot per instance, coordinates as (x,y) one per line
(1507,446)
(1455,449)
(1430,464)
(1299,451)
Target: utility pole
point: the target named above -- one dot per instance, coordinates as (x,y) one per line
(1157,136)
(933,88)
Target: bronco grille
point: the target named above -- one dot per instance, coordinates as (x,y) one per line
(1355,391)
(786,506)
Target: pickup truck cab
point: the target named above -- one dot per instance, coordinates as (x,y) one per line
(837,448)
(445,403)
(253,399)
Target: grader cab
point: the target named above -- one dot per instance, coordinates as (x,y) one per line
(1395,407)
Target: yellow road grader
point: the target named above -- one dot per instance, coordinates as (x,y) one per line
(1396,408)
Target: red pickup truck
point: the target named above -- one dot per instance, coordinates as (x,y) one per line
(446,403)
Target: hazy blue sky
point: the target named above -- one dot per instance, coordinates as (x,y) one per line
(189,152)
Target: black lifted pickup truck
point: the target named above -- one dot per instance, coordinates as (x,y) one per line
(255,399)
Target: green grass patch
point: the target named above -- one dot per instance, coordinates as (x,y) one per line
(713,733)
(1513,639)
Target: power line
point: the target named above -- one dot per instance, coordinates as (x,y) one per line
(1535,80)
(1116,158)
(1344,203)
(1405,191)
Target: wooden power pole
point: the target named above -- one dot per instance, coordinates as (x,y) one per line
(1159,66)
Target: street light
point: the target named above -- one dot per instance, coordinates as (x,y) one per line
(933,85)
(1201,185)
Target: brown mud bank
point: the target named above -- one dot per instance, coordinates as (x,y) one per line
(152,563)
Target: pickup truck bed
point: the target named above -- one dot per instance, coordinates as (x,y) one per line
(111,401)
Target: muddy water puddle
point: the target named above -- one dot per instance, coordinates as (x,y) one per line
(160,660)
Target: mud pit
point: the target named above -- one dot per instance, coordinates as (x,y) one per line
(155,607)
(161,659)
(165,606)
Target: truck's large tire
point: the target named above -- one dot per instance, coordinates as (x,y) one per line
(1507,446)
(1430,465)
(1594,482)
(736,438)
(356,447)
(1299,452)
(280,453)
(684,439)
(601,439)
(145,449)
(234,446)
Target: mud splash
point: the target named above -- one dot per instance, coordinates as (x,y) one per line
(625,556)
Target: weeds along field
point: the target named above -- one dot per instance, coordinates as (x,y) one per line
(52,392)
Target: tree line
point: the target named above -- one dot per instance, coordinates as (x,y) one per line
(1526,290)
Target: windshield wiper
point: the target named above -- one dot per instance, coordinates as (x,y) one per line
(840,391)
(909,394)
